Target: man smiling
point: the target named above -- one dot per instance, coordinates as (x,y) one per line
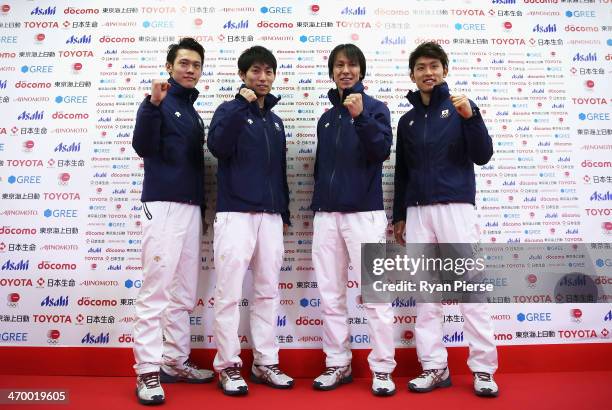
(252,211)
(353,139)
(169,136)
(438,143)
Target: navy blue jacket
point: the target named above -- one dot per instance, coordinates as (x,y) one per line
(436,151)
(250,145)
(350,153)
(170,138)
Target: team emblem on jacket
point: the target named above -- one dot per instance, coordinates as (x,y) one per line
(444,114)
(178,114)
(250,121)
(278,128)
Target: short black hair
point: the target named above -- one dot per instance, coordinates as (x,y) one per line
(431,50)
(353,53)
(256,54)
(187,43)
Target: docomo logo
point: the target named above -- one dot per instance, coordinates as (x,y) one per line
(6,8)
(607,227)
(53,336)
(60,115)
(46,265)
(23,84)
(88,301)
(7,230)
(274,24)
(126,338)
(72,10)
(576,315)
(307,321)
(107,39)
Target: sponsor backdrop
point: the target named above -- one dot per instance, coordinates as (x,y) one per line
(72,75)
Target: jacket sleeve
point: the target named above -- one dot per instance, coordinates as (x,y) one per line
(286,215)
(146,140)
(400,179)
(479,143)
(374,131)
(226,126)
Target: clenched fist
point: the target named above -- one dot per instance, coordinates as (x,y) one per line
(354,104)
(248,94)
(159,90)
(462,105)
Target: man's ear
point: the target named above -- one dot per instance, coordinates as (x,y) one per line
(445,72)
(242,75)
(412,77)
(169,68)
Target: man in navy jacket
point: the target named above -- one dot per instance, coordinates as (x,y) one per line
(252,212)
(353,140)
(169,136)
(438,142)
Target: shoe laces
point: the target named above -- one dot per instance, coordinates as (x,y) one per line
(233,373)
(428,372)
(190,365)
(330,370)
(151,380)
(274,368)
(483,377)
(381,376)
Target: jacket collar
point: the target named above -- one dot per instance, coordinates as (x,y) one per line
(439,93)
(334,95)
(189,94)
(269,100)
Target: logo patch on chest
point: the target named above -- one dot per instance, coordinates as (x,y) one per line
(278,128)
(178,114)
(444,114)
(250,121)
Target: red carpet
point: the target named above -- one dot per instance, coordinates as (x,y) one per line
(570,376)
(542,391)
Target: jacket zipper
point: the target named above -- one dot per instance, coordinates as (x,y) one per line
(269,149)
(426,158)
(331,179)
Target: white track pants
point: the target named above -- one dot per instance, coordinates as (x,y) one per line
(450,223)
(243,239)
(336,242)
(170,267)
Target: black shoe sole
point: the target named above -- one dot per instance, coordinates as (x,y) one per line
(486,393)
(233,393)
(444,383)
(383,393)
(165,378)
(345,380)
(258,380)
(153,402)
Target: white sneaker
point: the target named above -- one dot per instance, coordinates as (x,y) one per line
(333,377)
(430,379)
(188,373)
(232,383)
(271,375)
(148,389)
(382,384)
(484,385)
